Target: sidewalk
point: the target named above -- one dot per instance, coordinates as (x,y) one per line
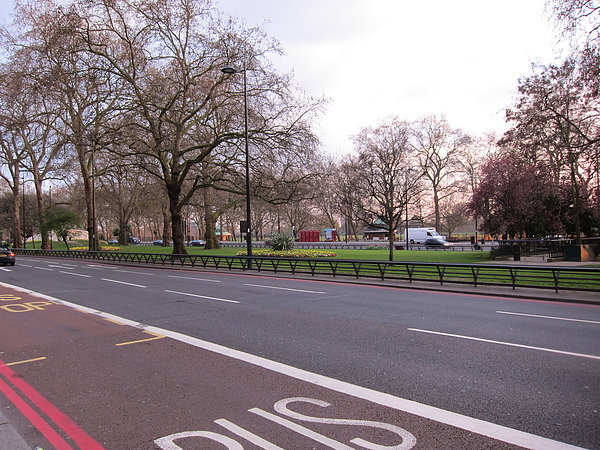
(9,438)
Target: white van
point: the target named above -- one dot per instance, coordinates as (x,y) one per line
(420,235)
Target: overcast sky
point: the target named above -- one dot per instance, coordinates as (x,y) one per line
(377,58)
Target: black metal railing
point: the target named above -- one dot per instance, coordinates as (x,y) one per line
(543,277)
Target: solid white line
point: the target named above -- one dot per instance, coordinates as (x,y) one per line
(548,317)
(245,434)
(481,427)
(123,282)
(284,289)
(202,296)
(193,278)
(76,274)
(331,443)
(509,344)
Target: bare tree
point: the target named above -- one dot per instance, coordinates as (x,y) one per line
(177,106)
(440,150)
(384,156)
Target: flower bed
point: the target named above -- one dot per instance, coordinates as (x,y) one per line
(297,253)
(102,249)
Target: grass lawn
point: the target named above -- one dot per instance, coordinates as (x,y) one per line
(441,256)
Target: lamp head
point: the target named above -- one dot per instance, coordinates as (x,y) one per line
(229,70)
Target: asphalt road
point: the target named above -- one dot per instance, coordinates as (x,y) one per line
(532,366)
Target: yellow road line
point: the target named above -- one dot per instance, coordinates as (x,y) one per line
(26,361)
(156,336)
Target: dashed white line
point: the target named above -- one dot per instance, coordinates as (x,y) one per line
(76,274)
(194,278)
(123,282)
(285,289)
(509,344)
(202,296)
(5,269)
(45,268)
(132,271)
(548,317)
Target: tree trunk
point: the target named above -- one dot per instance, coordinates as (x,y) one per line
(391,237)
(16,213)
(42,215)
(210,222)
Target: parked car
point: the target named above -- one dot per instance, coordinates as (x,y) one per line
(7,256)
(158,242)
(197,243)
(113,241)
(133,240)
(437,242)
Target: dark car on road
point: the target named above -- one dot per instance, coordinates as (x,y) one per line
(197,243)
(7,256)
(437,243)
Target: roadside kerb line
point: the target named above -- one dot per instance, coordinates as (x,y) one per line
(284,289)
(548,317)
(508,344)
(123,282)
(478,426)
(202,296)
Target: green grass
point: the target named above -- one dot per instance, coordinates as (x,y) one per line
(466,257)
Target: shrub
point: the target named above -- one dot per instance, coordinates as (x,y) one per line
(282,242)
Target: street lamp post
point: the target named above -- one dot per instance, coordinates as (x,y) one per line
(232,70)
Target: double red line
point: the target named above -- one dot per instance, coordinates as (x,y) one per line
(61,420)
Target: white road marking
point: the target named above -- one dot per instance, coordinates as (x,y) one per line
(193,278)
(45,268)
(25,265)
(285,289)
(509,344)
(202,296)
(251,437)
(548,317)
(61,266)
(123,282)
(76,274)
(481,427)
(331,443)
(132,271)
(5,269)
